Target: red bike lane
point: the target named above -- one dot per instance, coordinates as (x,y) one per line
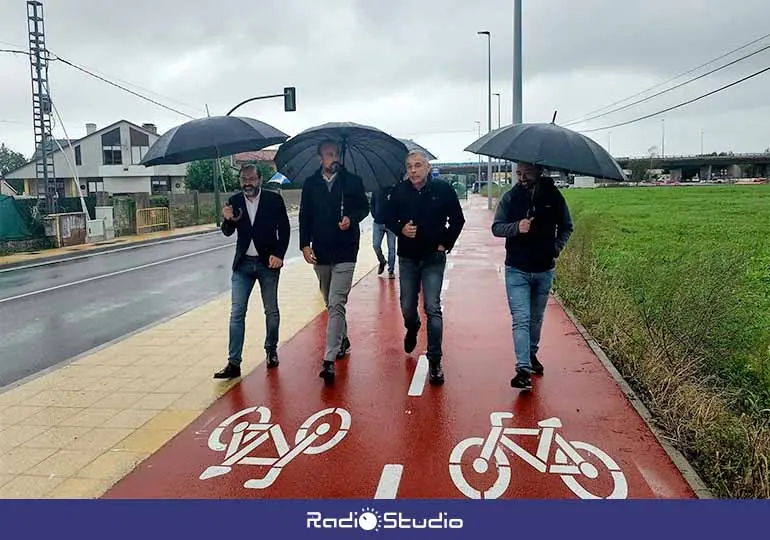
(382,431)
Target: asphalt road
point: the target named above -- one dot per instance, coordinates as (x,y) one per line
(51,313)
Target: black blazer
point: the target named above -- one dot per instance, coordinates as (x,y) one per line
(271,229)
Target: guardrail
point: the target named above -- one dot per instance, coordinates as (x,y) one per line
(153,219)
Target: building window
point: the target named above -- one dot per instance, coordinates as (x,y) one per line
(161,184)
(111,152)
(96,185)
(140,144)
(78,157)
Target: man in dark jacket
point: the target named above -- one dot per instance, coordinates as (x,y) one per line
(427,217)
(379,230)
(262,223)
(534,219)
(332,205)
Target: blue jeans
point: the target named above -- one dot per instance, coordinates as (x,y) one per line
(378,231)
(248,272)
(527,298)
(430,275)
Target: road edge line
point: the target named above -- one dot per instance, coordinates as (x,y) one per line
(680,461)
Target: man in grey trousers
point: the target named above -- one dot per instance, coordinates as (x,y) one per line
(332,205)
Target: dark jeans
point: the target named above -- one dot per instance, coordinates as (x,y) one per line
(378,232)
(527,298)
(248,272)
(428,274)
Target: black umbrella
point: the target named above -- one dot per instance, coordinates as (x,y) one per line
(549,145)
(411,145)
(211,138)
(372,154)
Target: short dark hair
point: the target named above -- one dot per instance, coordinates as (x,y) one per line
(249,166)
(324,143)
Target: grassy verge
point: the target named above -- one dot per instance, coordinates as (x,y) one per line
(675,285)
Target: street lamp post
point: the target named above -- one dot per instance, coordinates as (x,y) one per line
(478,178)
(499,161)
(489,112)
(517,69)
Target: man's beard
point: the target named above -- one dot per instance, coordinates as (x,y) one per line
(250,191)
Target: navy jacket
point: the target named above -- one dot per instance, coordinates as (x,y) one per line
(538,249)
(321,211)
(270,232)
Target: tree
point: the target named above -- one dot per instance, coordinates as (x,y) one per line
(10,161)
(200,176)
(638,169)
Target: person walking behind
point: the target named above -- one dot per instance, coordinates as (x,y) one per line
(332,205)
(535,221)
(262,223)
(379,230)
(427,217)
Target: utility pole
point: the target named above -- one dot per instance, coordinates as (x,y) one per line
(41,107)
(499,161)
(517,69)
(489,113)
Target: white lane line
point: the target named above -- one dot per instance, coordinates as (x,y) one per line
(419,377)
(106,252)
(389,481)
(111,274)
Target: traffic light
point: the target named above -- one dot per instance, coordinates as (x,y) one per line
(290,99)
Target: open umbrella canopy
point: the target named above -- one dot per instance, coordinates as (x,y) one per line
(211,138)
(551,146)
(372,154)
(411,145)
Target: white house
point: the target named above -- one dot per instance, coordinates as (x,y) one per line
(107,159)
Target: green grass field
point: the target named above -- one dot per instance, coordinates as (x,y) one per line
(675,284)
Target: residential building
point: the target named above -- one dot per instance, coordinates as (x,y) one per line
(7,189)
(107,160)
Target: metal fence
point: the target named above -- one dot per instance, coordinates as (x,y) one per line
(152,219)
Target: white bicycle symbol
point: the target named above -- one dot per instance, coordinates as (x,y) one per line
(253,435)
(499,438)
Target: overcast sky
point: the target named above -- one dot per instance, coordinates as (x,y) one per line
(415,69)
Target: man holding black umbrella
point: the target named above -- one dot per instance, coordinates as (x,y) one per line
(534,219)
(262,223)
(427,217)
(332,205)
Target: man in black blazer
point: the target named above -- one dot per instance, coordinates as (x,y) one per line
(332,205)
(262,222)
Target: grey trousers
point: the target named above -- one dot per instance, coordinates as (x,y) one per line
(335,282)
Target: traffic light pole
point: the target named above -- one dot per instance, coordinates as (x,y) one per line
(289,96)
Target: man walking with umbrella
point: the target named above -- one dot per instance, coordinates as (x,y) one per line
(427,217)
(262,222)
(380,199)
(534,219)
(332,205)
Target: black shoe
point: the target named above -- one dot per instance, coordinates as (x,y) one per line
(522,380)
(381,268)
(391,275)
(230,372)
(537,367)
(436,372)
(344,350)
(410,340)
(327,373)
(271,358)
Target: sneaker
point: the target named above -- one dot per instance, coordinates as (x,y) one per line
(391,275)
(327,373)
(344,349)
(381,268)
(271,358)
(231,371)
(436,372)
(537,367)
(410,340)
(522,380)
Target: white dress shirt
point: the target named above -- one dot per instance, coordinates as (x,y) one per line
(252,209)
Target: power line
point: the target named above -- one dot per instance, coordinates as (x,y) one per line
(693,100)
(670,89)
(60,59)
(675,77)
(14,51)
